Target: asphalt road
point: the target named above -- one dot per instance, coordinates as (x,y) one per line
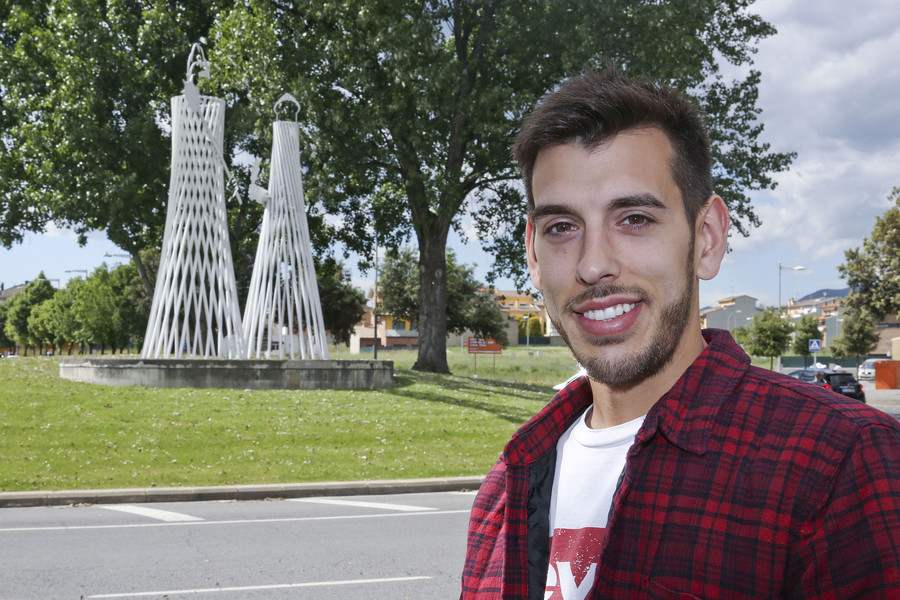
(387,547)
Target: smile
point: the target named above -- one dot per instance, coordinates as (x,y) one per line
(610,313)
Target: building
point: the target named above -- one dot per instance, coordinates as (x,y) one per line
(815,305)
(8,292)
(392,332)
(731,313)
(518,304)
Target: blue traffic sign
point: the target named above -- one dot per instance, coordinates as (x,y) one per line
(815,345)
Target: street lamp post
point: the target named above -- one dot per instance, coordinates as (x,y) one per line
(108,255)
(728,321)
(780,269)
(528,334)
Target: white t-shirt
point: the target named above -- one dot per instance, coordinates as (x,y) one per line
(588,465)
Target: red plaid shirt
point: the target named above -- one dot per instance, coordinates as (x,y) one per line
(742,483)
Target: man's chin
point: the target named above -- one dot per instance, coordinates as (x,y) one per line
(623,373)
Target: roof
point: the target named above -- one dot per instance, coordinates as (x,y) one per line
(9,292)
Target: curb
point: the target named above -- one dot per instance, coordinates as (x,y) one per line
(237,492)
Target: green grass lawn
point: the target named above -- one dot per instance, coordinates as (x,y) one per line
(58,434)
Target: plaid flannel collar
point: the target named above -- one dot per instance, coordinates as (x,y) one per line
(684,415)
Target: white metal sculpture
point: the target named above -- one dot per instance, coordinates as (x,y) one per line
(195,308)
(283,315)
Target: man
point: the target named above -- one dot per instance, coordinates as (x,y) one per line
(675,469)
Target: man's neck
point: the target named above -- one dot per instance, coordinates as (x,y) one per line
(614,406)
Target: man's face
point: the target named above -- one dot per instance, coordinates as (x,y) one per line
(610,247)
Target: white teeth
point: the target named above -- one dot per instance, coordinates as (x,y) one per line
(610,313)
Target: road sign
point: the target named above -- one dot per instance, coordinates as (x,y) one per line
(483,346)
(815,345)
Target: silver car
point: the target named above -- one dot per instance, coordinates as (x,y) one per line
(867,369)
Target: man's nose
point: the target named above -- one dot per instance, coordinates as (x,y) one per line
(599,260)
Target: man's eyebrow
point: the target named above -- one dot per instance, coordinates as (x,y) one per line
(644,200)
(641,200)
(549,210)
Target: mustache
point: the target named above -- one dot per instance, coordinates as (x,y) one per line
(601,290)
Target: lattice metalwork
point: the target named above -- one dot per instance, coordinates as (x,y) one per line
(195,309)
(283,315)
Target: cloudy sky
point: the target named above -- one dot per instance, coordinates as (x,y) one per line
(830,91)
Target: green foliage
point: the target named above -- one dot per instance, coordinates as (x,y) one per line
(97,311)
(20,307)
(398,284)
(343,304)
(486,320)
(409,107)
(59,321)
(768,334)
(469,306)
(87,87)
(807,328)
(533,324)
(6,340)
(873,271)
(858,336)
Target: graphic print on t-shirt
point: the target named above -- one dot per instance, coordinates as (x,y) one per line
(574,556)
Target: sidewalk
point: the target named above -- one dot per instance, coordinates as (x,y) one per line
(238,492)
(886,400)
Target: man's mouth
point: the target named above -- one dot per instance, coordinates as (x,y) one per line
(609,313)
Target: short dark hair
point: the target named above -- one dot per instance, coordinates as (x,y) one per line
(592,108)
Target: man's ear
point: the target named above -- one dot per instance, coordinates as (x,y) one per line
(711,237)
(531,257)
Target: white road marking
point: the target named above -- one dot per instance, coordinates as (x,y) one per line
(283,586)
(153,513)
(233,521)
(384,505)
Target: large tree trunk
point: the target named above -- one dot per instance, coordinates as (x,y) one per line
(433,303)
(142,272)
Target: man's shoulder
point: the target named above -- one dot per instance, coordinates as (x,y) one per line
(809,407)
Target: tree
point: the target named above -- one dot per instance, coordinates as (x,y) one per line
(471,307)
(343,304)
(20,307)
(101,306)
(5,340)
(807,328)
(409,107)
(873,271)
(398,285)
(129,319)
(858,336)
(768,335)
(61,323)
(486,320)
(85,114)
(40,326)
(530,325)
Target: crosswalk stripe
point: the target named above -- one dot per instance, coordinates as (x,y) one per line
(153,513)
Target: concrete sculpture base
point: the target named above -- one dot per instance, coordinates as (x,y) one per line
(228,373)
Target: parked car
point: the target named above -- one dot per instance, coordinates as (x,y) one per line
(867,369)
(841,382)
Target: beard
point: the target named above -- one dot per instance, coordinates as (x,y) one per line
(626,370)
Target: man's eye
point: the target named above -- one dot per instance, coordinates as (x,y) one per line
(636,220)
(560,228)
